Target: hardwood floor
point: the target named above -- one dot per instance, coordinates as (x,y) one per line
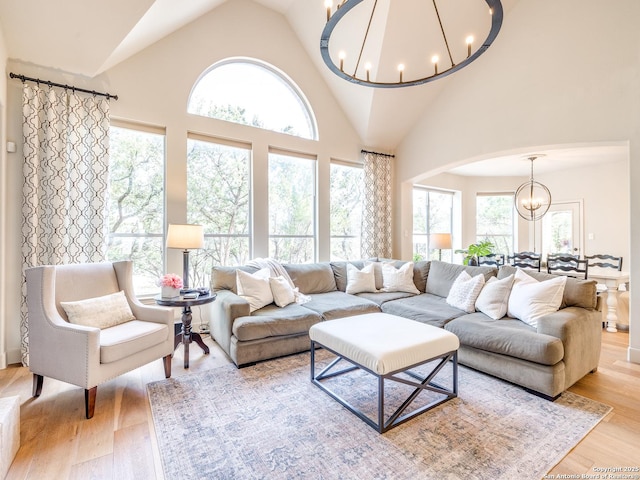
(119,442)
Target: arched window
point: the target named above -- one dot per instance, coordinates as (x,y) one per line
(250,92)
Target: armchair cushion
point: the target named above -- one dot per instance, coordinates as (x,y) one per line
(129,338)
(100,312)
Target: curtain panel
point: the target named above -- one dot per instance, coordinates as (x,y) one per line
(376,217)
(65,172)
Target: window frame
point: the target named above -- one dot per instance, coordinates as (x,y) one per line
(480,236)
(347,164)
(431,252)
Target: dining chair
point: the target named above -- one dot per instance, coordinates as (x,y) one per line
(603,260)
(496,259)
(529,260)
(567,265)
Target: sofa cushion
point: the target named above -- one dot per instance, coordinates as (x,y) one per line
(464,292)
(312,277)
(577,293)
(224,278)
(442,275)
(255,288)
(425,308)
(360,280)
(336,304)
(530,299)
(398,279)
(494,297)
(507,336)
(381,297)
(420,272)
(273,321)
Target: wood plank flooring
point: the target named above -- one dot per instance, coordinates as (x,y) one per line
(119,442)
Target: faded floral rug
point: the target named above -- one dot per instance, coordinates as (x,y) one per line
(268,421)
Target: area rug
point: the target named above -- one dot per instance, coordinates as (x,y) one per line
(268,421)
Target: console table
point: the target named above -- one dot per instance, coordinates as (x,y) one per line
(186,336)
(612,279)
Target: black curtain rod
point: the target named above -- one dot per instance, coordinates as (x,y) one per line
(66,87)
(378,153)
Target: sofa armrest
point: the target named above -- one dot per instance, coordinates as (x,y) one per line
(580,331)
(227,307)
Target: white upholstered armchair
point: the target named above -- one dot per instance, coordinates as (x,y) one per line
(86,326)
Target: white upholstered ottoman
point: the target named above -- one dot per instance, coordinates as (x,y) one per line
(387,346)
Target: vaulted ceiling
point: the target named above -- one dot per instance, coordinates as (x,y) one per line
(90,36)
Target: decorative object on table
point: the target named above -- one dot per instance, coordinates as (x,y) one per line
(440,241)
(185,237)
(288,428)
(170,285)
(443,33)
(532,199)
(476,250)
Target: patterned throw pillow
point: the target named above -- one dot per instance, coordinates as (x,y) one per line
(465,291)
(100,312)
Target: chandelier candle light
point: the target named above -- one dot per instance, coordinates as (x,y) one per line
(423,35)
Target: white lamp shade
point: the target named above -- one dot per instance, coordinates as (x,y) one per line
(185,236)
(440,241)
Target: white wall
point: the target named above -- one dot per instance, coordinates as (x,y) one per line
(561,72)
(602,189)
(154,87)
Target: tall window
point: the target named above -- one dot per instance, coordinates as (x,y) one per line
(346,210)
(136,206)
(495,220)
(292,207)
(218,197)
(251,92)
(432,213)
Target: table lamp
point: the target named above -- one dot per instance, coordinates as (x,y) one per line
(439,241)
(185,237)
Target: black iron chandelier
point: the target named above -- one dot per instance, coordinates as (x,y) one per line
(427,31)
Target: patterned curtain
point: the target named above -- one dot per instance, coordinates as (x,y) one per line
(66,165)
(376,221)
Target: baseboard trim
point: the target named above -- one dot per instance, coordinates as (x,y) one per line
(633,355)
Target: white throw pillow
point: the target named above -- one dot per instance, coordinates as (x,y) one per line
(530,299)
(100,312)
(494,297)
(359,281)
(398,279)
(465,291)
(282,291)
(255,288)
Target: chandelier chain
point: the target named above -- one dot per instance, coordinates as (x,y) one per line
(366,35)
(444,36)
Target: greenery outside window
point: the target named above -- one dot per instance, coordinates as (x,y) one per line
(292,207)
(432,213)
(136,205)
(251,92)
(495,221)
(347,182)
(218,197)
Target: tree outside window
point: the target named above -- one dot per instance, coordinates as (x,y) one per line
(495,221)
(218,197)
(432,213)
(136,204)
(292,207)
(346,211)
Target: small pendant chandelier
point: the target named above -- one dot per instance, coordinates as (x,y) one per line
(532,199)
(434,41)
